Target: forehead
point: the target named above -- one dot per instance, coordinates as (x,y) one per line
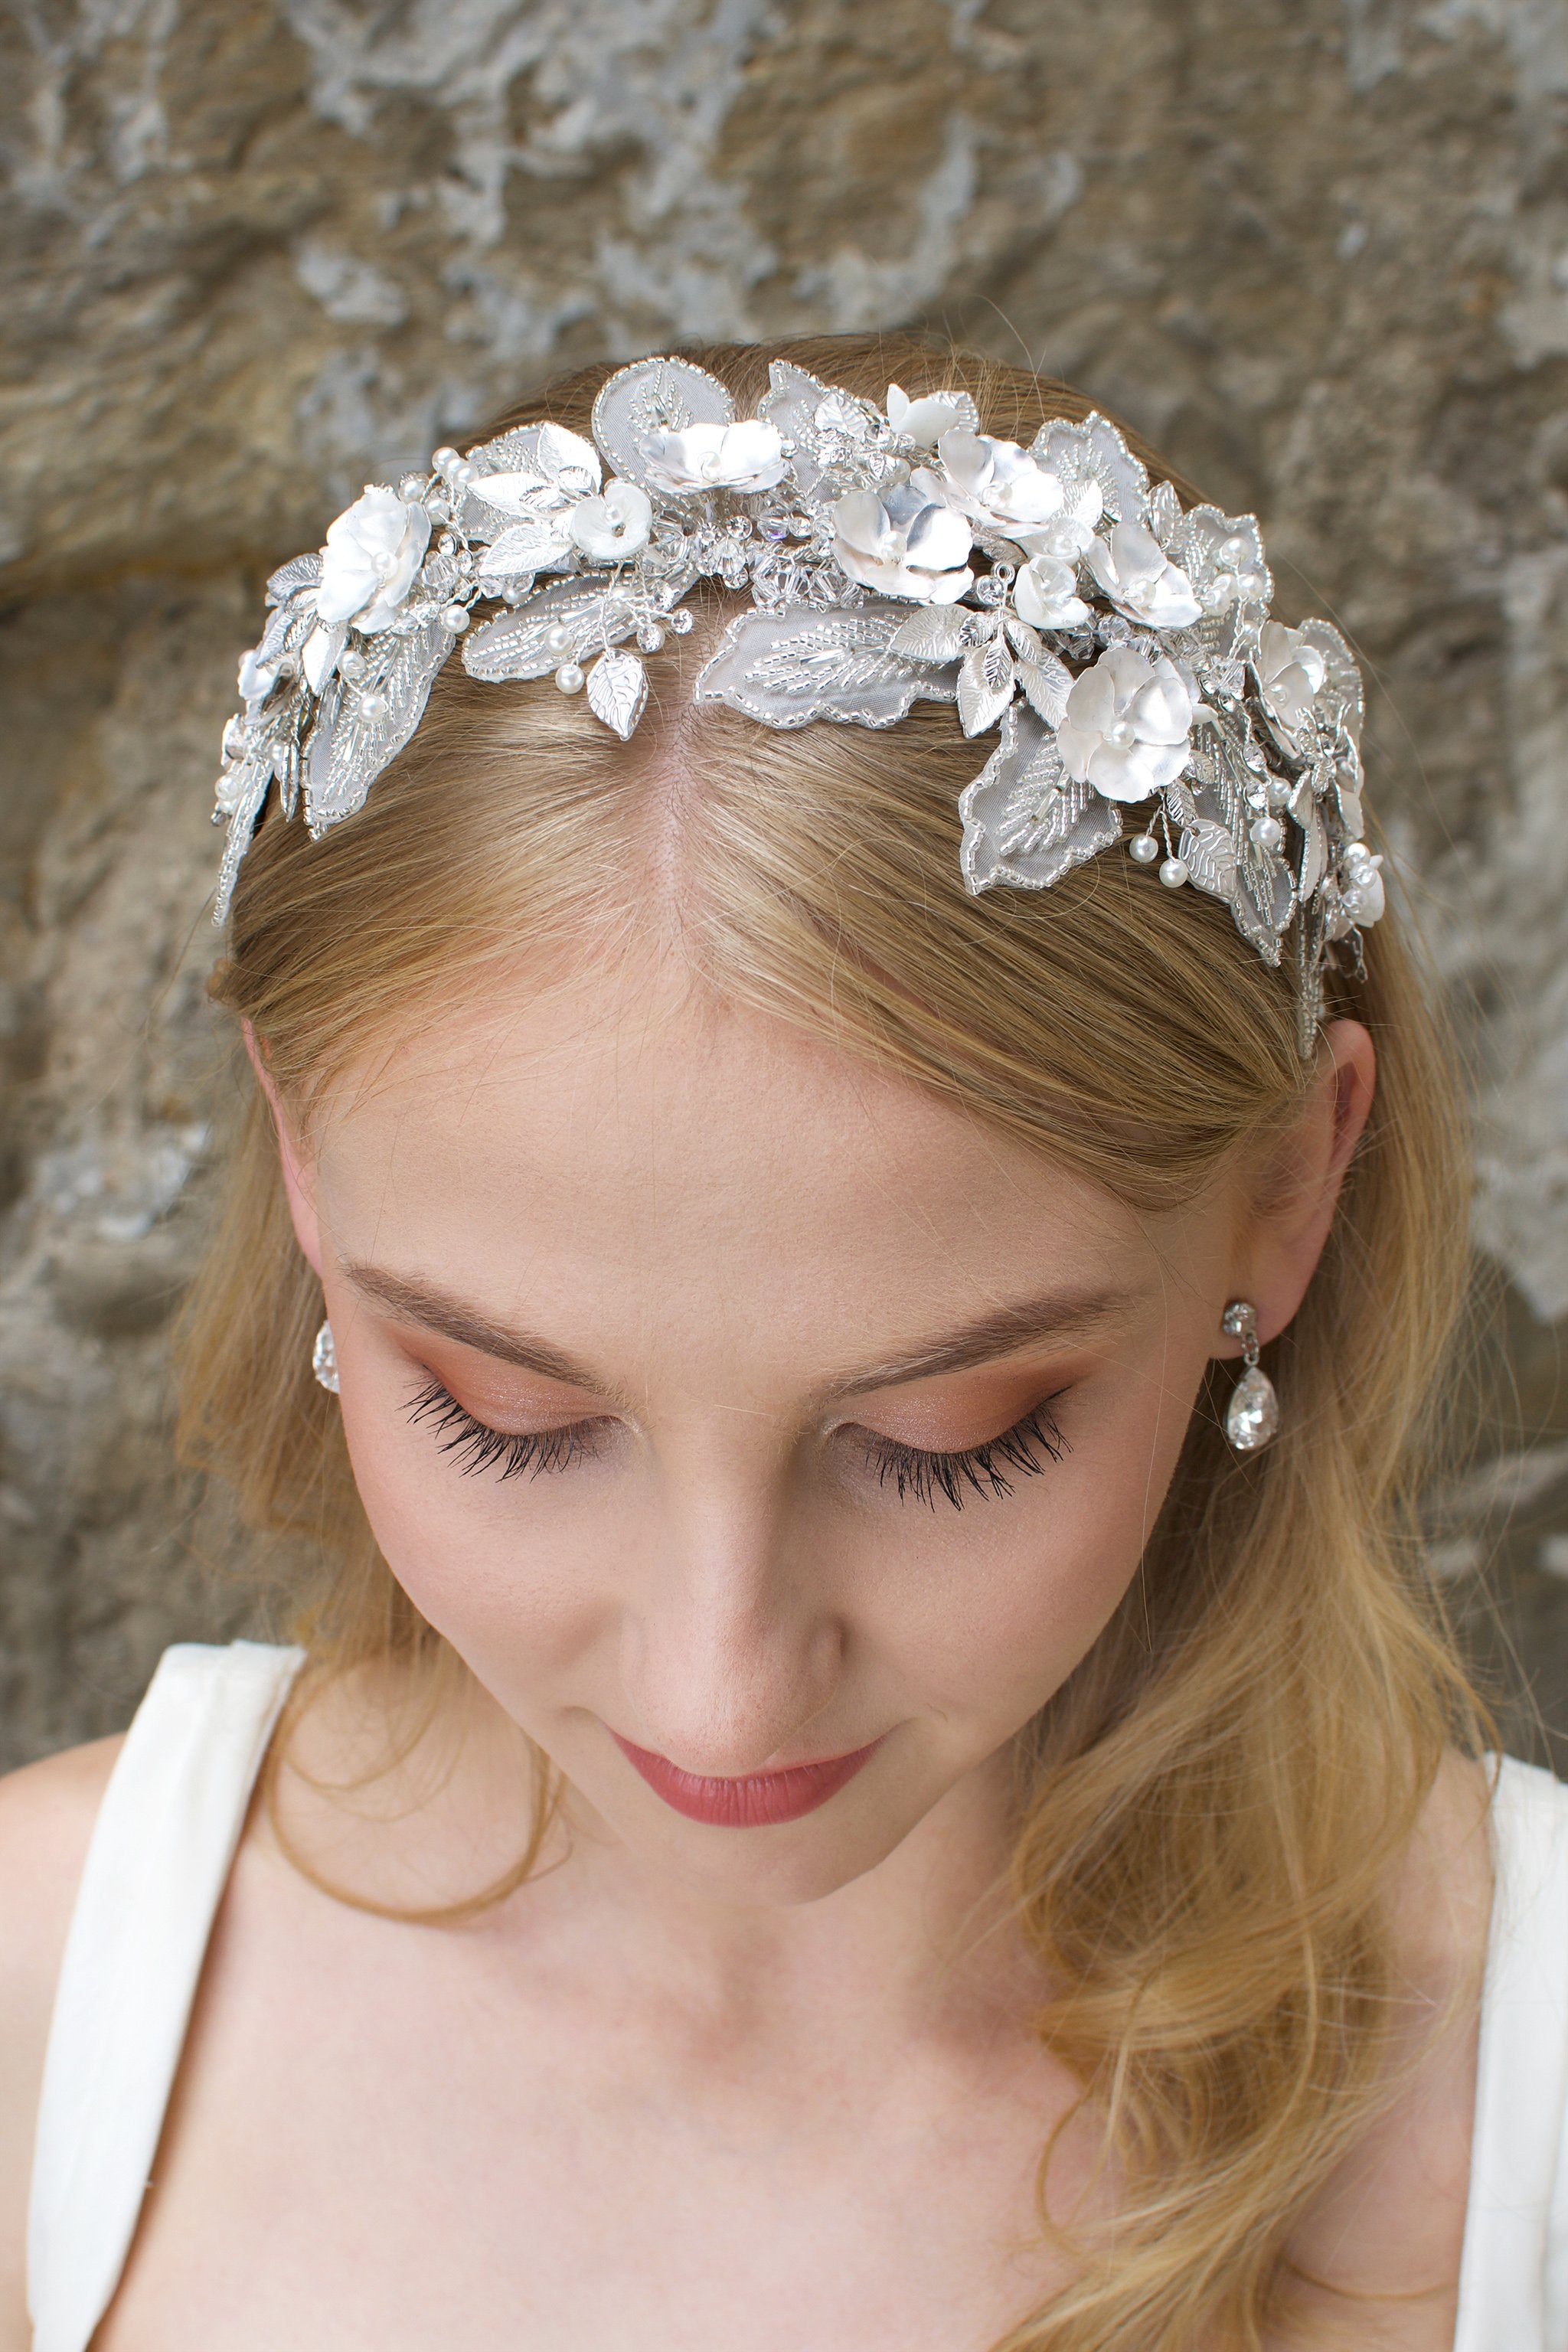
(626,1137)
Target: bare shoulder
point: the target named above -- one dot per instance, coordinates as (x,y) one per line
(1390,2224)
(1441,1898)
(47,1813)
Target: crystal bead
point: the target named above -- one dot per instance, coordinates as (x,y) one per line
(324,1358)
(650,638)
(1252,1416)
(681,621)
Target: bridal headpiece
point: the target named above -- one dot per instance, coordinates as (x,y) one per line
(1121,644)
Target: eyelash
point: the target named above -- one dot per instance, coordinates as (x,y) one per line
(921,1474)
(475,1447)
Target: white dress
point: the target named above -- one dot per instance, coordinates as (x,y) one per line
(156,1871)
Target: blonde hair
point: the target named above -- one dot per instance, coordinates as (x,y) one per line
(1210,1810)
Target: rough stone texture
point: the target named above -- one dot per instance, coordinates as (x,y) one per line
(261,252)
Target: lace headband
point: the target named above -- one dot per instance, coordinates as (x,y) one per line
(1121,644)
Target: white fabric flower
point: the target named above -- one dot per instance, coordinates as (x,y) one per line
(611,529)
(1140,581)
(1291,672)
(1045,594)
(717,458)
(924,420)
(373,552)
(1127,726)
(903,543)
(999,486)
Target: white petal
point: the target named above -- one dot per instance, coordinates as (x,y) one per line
(1117,772)
(939,539)
(1161,711)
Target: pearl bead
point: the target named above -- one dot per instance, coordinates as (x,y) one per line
(351,665)
(411,487)
(462,473)
(454,617)
(443,457)
(372,705)
(1268,832)
(1174,873)
(1144,848)
(569,677)
(1122,732)
(557,639)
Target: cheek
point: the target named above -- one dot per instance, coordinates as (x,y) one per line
(494,1566)
(1010,1601)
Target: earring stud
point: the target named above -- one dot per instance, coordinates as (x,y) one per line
(1252,1416)
(324,1358)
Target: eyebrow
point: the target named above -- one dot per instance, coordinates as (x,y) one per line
(436,1310)
(1001,1330)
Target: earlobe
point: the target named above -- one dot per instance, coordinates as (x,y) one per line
(297,1188)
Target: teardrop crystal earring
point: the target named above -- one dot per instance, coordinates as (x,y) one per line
(1252,1416)
(324,1358)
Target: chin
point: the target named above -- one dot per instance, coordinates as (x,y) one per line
(800,1861)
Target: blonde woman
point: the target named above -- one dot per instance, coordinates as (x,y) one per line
(845,1226)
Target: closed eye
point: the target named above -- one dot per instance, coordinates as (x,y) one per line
(915,1472)
(475,1446)
(1027,1448)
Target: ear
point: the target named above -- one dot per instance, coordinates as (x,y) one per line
(1297,1190)
(298,1174)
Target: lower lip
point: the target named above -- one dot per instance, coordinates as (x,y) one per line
(754,1800)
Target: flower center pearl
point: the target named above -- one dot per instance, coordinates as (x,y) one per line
(1123,733)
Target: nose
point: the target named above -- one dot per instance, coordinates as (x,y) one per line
(731,1649)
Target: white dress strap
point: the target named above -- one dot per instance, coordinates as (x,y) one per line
(159,1857)
(1513,2282)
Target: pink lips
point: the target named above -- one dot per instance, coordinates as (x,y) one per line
(752,1799)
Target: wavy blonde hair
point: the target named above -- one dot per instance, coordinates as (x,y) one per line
(1210,1810)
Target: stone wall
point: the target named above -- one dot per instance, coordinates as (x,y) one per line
(261,252)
